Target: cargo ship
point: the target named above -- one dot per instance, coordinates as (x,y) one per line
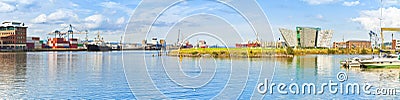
(63,42)
(98,45)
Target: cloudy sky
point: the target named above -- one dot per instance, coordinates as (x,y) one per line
(44,16)
(351,19)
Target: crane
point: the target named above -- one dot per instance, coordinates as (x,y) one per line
(387,29)
(69,32)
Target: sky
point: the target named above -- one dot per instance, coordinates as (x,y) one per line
(350,19)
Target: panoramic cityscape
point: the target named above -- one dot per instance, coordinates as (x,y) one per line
(200,49)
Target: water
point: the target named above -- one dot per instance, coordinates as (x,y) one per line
(100,75)
(61,75)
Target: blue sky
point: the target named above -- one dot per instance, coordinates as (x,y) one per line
(351,19)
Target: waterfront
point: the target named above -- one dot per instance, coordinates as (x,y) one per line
(100,75)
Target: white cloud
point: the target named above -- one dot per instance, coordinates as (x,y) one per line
(62,16)
(48,15)
(120,20)
(110,4)
(59,16)
(319,16)
(42,18)
(391,2)
(116,6)
(353,3)
(25,2)
(4,7)
(318,2)
(22,4)
(74,5)
(369,19)
(94,21)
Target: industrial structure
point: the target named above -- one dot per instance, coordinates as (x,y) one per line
(352,44)
(63,39)
(307,37)
(387,29)
(13,35)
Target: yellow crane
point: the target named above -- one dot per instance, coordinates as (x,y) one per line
(387,29)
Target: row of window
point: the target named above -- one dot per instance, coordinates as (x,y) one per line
(20,37)
(7,28)
(12,37)
(19,33)
(12,42)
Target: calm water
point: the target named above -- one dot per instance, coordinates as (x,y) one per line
(100,75)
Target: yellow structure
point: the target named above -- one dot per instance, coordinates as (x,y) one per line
(387,29)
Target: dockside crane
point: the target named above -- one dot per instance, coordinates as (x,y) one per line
(69,32)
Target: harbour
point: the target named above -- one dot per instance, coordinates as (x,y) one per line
(199,49)
(84,75)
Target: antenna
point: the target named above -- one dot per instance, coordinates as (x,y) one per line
(179,35)
(381,18)
(380,24)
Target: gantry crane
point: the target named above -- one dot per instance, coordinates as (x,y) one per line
(68,32)
(387,29)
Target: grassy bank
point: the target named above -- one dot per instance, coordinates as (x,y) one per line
(263,52)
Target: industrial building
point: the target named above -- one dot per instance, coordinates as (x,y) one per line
(289,36)
(307,37)
(352,44)
(396,44)
(13,35)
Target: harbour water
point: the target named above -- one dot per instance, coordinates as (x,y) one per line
(100,75)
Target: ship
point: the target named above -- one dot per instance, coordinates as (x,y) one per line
(63,42)
(154,44)
(98,45)
(95,47)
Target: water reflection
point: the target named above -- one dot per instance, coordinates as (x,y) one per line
(12,74)
(62,75)
(99,75)
(322,68)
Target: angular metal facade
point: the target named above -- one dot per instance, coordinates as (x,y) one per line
(307,37)
(324,38)
(289,36)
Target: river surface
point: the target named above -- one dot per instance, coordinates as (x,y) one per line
(101,75)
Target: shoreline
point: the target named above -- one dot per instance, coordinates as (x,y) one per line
(266,52)
(238,52)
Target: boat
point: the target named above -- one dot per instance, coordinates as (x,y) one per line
(98,45)
(385,61)
(353,62)
(154,44)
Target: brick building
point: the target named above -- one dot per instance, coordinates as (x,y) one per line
(13,35)
(358,44)
(351,44)
(339,45)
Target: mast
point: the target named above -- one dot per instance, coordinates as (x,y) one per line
(380,24)
(179,35)
(86,32)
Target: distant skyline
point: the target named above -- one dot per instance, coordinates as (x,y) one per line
(351,19)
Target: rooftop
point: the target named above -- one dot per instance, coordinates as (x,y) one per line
(358,41)
(12,24)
